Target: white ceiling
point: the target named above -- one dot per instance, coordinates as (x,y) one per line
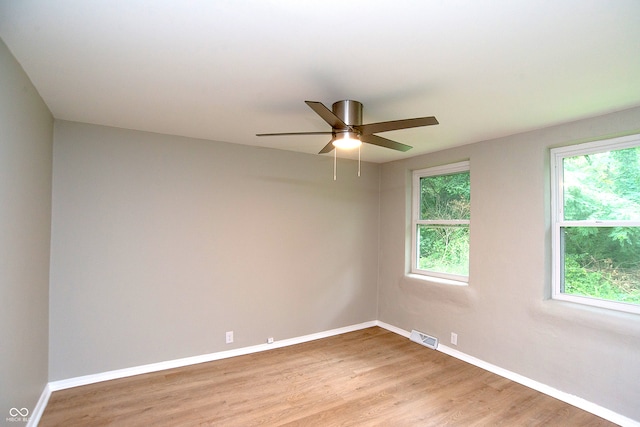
(227,69)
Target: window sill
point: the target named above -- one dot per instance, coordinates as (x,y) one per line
(598,303)
(437,280)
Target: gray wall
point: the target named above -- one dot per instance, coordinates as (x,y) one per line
(26,130)
(160,244)
(504,316)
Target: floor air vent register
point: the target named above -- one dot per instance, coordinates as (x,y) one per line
(424,339)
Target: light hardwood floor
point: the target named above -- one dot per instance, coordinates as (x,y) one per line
(367,377)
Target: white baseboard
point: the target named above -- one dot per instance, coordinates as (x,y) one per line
(37,412)
(576,401)
(393,329)
(177,363)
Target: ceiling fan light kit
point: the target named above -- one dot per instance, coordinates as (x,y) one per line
(347,130)
(346,140)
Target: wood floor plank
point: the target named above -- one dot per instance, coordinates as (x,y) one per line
(367,377)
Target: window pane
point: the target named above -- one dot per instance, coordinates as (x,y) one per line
(444,249)
(445,196)
(602,262)
(603,186)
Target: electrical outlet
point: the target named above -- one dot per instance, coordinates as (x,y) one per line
(270,340)
(229,337)
(454,338)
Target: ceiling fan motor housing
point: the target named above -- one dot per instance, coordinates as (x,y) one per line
(349,111)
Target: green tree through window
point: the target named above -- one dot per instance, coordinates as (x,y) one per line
(441,221)
(598,222)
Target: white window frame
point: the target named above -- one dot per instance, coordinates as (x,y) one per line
(558,222)
(449,169)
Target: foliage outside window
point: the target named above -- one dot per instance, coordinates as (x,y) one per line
(441,219)
(596,223)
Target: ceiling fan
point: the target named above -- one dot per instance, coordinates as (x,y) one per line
(347,130)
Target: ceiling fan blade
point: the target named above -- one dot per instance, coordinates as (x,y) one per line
(327,115)
(327,148)
(396,125)
(384,142)
(294,133)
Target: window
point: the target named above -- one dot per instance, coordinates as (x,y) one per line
(596,223)
(441,216)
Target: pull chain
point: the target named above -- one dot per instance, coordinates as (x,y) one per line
(335,162)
